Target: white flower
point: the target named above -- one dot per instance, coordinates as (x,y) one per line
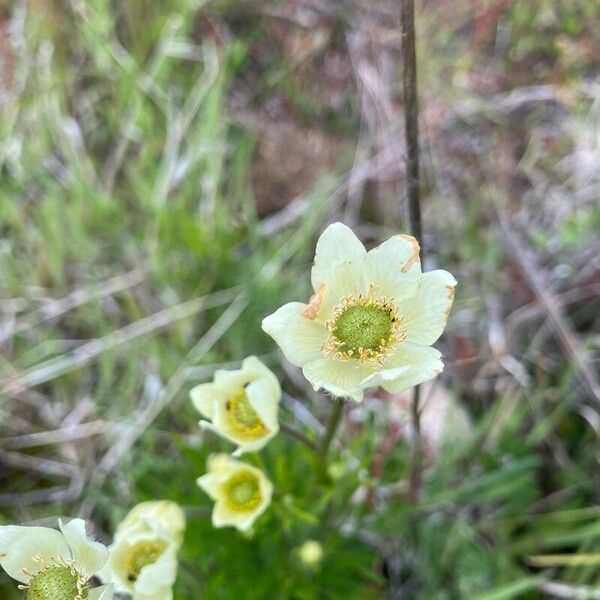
(241,492)
(371,320)
(241,405)
(143,555)
(51,564)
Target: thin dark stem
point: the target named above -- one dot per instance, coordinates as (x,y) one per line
(411,110)
(411,131)
(332,424)
(417,451)
(298,435)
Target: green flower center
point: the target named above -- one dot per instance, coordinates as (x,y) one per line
(242,492)
(363,327)
(141,555)
(57,582)
(243,418)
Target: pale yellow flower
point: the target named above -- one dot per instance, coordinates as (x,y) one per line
(241,492)
(371,320)
(242,405)
(51,564)
(310,553)
(143,555)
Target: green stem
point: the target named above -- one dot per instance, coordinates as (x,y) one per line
(417,451)
(298,435)
(335,419)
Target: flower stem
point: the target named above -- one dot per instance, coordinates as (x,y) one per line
(417,451)
(335,419)
(298,435)
(411,131)
(411,112)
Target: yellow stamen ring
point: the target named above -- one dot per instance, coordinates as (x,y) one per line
(58,580)
(242,492)
(242,418)
(140,555)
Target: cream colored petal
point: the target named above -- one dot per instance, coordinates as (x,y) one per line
(266,488)
(221,464)
(412,355)
(137,532)
(222,428)
(264,402)
(164,593)
(337,244)
(231,380)
(204,397)
(385,375)
(19,545)
(167,514)
(394,267)
(346,279)
(222,516)
(263,373)
(408,380)
(217,426)
(340,378)
(255,446)
(299,338)
(104,592)
(211,485)
(424,363)
(161,573)
(426,315)
(88,555)
(219,468)
(105,574)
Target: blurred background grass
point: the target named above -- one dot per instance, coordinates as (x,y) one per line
(165,169)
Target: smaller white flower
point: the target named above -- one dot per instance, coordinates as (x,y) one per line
(51,564)
(241,492)
(143,555)
(242,405)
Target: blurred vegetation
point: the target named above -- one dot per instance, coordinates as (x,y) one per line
(164,142)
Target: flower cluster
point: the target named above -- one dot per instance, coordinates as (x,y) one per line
(371,322)
(58,565)
(242,407)
(143,556)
